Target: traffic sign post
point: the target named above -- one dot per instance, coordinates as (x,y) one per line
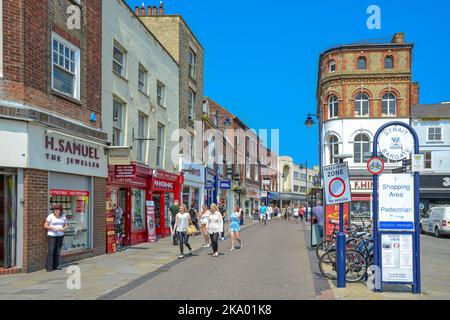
(375,166)
(338,191)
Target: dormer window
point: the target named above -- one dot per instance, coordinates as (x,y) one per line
(362,63)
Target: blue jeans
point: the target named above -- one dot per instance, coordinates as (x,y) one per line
(321,232)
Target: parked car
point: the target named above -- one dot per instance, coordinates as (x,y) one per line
(436,221)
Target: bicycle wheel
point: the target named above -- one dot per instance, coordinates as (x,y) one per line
(356,266)
(327,264)
(323,247)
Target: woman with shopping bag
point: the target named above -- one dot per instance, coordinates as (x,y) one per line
(183,227)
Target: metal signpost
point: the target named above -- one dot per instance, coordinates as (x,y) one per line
(337,190)
(396,210)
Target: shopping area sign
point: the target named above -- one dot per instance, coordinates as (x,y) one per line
(337,184)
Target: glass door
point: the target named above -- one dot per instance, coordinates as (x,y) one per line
(8,219)
(157,200)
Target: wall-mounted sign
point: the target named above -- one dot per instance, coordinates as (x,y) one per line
(396,143)
(125,172)
(418,162)
(194,172)
(119,156)
(366,185)
(225,184)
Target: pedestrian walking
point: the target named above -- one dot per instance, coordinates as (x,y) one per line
(262,214)
(56,225)
(235,227)
(302,211)
(194,218)
(296,214)
(204,218)
(182,222)
(317,213)
(174,210)
(215,227)
(223,211)
(269,212)
(276,212)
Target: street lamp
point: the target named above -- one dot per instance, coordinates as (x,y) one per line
(309,121)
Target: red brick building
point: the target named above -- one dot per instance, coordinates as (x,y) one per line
(50,111)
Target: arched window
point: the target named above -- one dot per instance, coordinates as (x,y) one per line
(332,66)
(333,149)
(333,107)
(361,149)
(389,104)
(361,105)
(388,62)
(362,63)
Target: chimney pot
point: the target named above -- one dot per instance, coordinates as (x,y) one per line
(137,11)
(398,38)
(149,9)
(155,11)
(161,8)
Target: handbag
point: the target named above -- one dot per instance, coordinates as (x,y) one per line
(191,230)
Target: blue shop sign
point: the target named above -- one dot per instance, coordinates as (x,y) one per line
(209,185)
(225,184)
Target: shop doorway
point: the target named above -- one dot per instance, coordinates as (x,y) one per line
(8,220)
(163,201)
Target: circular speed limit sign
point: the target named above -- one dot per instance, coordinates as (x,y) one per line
(375,166)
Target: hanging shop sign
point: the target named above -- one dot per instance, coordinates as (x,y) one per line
(119,156)
(225,185)
(396,142)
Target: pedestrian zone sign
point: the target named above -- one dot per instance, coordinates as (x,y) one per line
(337,184)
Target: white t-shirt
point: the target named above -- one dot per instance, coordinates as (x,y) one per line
(55,222)
(296,212)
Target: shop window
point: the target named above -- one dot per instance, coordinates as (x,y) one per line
(137,210)
(76,208)
(360,211)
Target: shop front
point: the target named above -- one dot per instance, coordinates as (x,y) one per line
(194,185)
(8,218)
(252,199)
(210,187)
(226,195)
(361,206)
(434,191)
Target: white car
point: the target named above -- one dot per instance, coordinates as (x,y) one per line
(436,221)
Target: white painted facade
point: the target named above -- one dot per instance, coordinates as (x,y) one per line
(121,26)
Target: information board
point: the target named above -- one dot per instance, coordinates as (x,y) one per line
(397,257)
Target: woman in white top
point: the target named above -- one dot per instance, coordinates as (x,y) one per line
(55,224)
(204,218)
(215,228)
(182,221)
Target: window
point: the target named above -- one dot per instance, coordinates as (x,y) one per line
(192,59)
(118,60)
(191,104)
(65,67)
(333,149)
(160,146)
(142,79)
(160,94)
(361,149)
(296,175)
(302,189)
(118,111)
(428,162)
(332,66)
(333,107)
(361,105)
(434,134)
(137,210)
(362,63)
(389,105)
(296,188)
(388,62)
(142,134)
(191,147)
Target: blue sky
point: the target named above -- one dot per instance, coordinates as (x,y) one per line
(261,56)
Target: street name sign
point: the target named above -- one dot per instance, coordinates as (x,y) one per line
(396,142)
(337,184)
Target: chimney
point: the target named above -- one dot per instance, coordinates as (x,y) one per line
(398,38)
(137,11)
(143,9)
(161,8)
(414,93)
(155,11)
(149,10)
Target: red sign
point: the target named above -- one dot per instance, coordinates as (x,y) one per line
(151,224)
(125,172)
(332,219)
(375,166)
(69,193)
(163,185)
(80,205)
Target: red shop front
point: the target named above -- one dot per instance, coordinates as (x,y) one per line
(165,188)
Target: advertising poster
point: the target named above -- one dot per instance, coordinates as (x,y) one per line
(150,205)
(397,258)
(332,219)
(110,226)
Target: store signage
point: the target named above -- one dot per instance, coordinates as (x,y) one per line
(69,193)
(266,182)
(375,166)
(225,184)
(337,184)
(164,175)
(396,202)
(125,172)
(264,194)
(151,226)
(162,185)
(396,143)
(435,182)
(418,161)
(366,185)
(209,185)
(119,156)
(397,257)
(194,172)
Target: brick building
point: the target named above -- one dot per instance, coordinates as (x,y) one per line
(50,111)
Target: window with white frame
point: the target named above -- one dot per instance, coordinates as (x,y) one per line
(192,59)
(434,134)
(65,67)
(333,149)
(389,104)
(118,121)
(361,149)
(142,134)
(160,145)
(361,105)
(160,94)
(191,103)
(333,106)
(142,79)
(192,148)
(119,60)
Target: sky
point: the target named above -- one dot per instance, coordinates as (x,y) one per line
(261,57)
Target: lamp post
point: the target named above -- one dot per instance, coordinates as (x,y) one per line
(307,204)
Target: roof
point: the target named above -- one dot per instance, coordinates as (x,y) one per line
(431,111)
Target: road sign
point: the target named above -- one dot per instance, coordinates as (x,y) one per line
(418,161)
(337,184)
(375,166)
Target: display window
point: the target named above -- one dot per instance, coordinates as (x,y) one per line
(76,208)
(137,210)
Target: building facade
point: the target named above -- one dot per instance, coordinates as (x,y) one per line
(360,88)
(141,116)
(50,123)
(432,124)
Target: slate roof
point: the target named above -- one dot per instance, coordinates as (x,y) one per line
(431,111)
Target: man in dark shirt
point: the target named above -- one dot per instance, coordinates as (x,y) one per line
(174,209)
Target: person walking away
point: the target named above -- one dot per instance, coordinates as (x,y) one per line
(235,227)
(276,212)
(204,218)
(56,225)
(174,210)
(302,211)
(262,213)
(269,212)
(317,213)
(223,212)
(194,218)
(182,221)
(215,227)
(296,214)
